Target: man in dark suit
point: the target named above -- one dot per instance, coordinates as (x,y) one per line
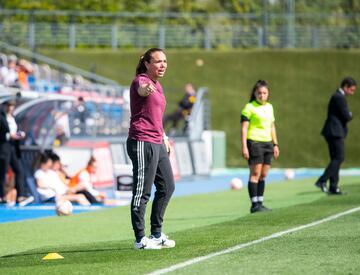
(335,131)
(4,138)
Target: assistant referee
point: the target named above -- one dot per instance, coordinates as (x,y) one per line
(259,142)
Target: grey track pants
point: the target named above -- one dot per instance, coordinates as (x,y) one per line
(151,164)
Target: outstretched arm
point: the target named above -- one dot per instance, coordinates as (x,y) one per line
(146,89)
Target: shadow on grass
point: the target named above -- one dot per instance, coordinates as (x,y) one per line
(89,253)
(198,218)
(309,193)
(84,249)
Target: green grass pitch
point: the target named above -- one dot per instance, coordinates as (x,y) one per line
(101,242)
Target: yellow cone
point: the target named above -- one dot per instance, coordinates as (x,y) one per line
(53,256)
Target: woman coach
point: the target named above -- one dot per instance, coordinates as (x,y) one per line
(259,142)
(148,149)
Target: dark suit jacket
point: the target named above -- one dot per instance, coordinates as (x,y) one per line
(4,132)
(337,118)
(4,127)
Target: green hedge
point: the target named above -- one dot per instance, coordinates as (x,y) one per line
(301,84)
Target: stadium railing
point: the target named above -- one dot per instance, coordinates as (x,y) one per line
(107,111)
(179,30)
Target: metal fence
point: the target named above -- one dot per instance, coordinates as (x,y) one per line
(201,31)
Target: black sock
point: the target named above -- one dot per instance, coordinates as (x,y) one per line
(260,191)
(252,188)
(156,234)
(138,238)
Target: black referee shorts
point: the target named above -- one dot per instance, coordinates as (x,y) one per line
(260,152)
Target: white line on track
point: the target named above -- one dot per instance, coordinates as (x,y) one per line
(244,245)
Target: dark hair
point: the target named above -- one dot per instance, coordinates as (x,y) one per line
(10,102)
(141,68)
(54,157)
(258,84)
(348,82)
(41,158)
(91,161)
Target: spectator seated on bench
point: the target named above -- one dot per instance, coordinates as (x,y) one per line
(82,183)
(50,186)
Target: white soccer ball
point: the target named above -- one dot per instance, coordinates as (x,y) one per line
(64,208)
(199,62)
(289,174)
(236,184)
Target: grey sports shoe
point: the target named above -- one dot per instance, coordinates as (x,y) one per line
(254,208)
(263,208)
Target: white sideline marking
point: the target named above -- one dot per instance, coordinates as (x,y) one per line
(241,246)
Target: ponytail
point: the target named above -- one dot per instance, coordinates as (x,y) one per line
(141,68)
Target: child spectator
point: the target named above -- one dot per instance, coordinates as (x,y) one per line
(50,186)
(57,167)
(82,183)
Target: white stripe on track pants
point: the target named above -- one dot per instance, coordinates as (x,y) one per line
(151,164)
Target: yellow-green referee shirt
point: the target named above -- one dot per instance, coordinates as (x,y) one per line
(260,118)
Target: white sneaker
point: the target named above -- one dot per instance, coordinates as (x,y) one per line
(163,241)
(10,204)
(26,201)
(146,243)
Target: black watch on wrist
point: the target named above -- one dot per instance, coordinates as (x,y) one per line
(275,144)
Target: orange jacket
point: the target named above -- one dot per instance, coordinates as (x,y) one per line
(75,179)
